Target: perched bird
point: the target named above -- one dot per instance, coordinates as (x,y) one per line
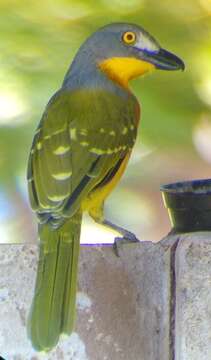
(79,152)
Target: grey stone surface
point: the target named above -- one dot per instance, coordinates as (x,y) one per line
(193,297)
(151,303)
(17,275)
(130,307)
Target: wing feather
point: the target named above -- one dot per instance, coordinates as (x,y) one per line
(82,136)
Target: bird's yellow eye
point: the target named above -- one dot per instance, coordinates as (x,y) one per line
(129,37)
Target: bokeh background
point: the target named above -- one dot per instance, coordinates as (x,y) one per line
(38,39)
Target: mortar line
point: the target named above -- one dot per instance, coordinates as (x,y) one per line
(173,299)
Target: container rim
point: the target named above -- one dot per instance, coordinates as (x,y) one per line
(194,187)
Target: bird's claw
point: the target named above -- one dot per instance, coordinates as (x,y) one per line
(130,237)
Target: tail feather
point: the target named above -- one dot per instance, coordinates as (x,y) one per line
(53,308)
(71,288)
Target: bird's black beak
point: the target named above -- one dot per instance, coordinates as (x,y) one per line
(164,60)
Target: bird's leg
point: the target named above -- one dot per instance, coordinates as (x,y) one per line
(125,233)
(126,236)
(97,214)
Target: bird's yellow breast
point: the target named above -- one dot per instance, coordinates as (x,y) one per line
(94,201)
(123,69)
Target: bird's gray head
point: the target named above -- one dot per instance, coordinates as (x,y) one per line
(124,51)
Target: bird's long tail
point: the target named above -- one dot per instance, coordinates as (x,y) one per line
(53,307)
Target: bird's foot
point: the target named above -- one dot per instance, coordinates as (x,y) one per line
(128,237)
(124,238)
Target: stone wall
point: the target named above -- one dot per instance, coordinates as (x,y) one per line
(153,302)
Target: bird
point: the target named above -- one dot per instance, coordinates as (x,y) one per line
(79,152)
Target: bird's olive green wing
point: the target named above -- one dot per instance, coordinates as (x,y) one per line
(81,137)
(49,157)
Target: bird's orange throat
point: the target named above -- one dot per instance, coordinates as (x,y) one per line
(121,70)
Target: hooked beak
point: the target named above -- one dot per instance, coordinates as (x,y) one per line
(164,60)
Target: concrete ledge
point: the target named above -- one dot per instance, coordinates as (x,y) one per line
(193,297)
(151,303)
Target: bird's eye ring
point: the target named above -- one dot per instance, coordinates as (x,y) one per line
(129,37)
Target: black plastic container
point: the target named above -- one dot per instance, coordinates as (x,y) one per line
(189,205)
